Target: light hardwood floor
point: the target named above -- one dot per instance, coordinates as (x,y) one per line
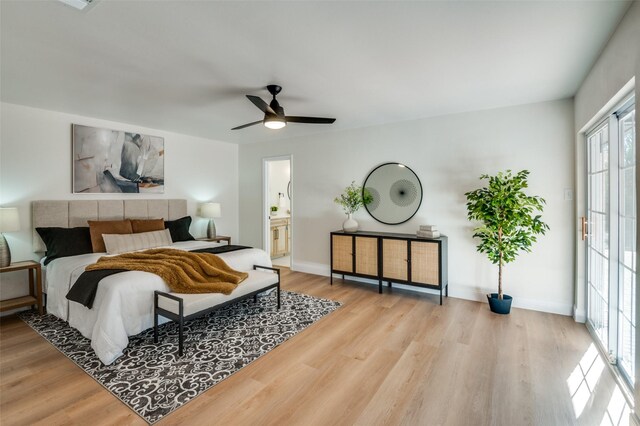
(395,358)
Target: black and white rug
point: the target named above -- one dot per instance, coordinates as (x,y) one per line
(153,380)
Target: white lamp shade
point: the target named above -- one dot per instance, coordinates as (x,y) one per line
(9,219)
(210,210)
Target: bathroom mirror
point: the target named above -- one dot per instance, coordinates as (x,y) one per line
(396,192)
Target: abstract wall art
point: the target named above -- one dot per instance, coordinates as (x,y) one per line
(112,161)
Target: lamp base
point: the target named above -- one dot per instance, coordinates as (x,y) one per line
(211,229)
(5,253)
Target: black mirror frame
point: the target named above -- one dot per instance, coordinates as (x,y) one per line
(364,185)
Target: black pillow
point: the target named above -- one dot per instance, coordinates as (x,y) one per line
(64,242)
(179,229)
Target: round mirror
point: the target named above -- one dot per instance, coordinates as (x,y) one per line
(396,192)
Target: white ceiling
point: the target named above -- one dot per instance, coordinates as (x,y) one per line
(185,66)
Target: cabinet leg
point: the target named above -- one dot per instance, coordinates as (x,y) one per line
(38,286)
(389,284)
(32,287)
(331,281)
(380,286)
(342,277)
(446,290)
(440,296)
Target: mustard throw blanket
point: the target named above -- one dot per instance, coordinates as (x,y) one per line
(183,271)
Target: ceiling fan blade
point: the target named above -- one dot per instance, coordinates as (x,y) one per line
(309,120)
(264,107)
(247,125)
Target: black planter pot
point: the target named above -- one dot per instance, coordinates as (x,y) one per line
(499,306)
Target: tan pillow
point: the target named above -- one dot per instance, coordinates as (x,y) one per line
(121,243)
(147,225)
(99,227)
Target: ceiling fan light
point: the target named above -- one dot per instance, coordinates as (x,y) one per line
(274,123)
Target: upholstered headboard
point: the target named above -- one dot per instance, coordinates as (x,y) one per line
(72,213)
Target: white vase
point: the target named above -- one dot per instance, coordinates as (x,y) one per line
(350,225)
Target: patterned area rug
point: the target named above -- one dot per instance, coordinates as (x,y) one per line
(153,380)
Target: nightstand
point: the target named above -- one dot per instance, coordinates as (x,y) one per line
(35,286)
(216,239)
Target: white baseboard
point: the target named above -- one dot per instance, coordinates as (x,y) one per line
(580,315)
(325,271)
(544,306)
(518,302)
(457,292)
(311,268)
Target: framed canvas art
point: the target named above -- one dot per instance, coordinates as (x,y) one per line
(113,161)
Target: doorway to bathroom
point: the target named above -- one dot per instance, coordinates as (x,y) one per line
(277,209)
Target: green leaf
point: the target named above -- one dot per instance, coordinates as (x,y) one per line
(353,198)
(508,217)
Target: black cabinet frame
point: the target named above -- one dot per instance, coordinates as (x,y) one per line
(442,285)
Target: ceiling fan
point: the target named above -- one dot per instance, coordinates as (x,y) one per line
(274,117)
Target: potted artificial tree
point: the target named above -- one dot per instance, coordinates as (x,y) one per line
(351,200)
(509,224)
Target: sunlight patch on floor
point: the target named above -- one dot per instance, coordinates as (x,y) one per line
(582,385)
(583,379)
(617,413)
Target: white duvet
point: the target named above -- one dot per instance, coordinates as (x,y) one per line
(123,305)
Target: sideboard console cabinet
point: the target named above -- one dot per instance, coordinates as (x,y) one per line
(398,258)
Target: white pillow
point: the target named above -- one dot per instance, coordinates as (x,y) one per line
(121,243)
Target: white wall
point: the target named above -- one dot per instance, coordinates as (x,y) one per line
(448,154)
(35,164)
(616,65)
(612,77)
(609,80)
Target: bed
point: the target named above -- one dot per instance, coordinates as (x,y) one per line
(123,305)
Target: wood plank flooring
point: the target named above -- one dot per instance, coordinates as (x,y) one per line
(390,359)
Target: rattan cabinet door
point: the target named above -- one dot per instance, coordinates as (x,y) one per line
(394,259)
(367,256)
(342,248)
(425,263)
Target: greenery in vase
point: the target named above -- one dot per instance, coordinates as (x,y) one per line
(353,197)
(509,223)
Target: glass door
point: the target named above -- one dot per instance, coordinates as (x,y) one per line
(627,244)
(597,224)
(610,233)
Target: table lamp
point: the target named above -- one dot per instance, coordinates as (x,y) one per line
(210,211)
(9,222)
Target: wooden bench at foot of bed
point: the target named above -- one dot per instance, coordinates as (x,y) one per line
(181,307)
